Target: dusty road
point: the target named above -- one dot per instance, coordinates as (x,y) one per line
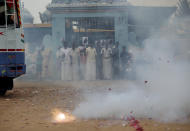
(28,108)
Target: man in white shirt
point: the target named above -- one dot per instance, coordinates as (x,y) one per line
(107,62)
(75,63)
(91,63)
(66,72)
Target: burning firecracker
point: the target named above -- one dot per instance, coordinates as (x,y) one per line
(62,117)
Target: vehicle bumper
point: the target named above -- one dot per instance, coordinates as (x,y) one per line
(12,71)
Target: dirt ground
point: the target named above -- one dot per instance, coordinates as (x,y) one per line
(28,108)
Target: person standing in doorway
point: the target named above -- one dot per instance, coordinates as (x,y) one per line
(125,61)
(66,73)
(91,63)
(107,62)
(98,61)
(82,61)
(116,63)
(75,62)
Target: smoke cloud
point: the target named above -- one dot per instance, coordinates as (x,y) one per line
(161,89)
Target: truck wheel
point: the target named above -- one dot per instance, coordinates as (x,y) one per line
(3,92)
(10,84)
(6,84)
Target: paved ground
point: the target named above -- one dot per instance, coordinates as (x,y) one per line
(29,108)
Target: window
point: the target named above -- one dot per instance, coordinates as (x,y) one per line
(8,13)
(2,13)
(94,28)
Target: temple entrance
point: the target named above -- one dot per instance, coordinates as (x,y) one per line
(90,28)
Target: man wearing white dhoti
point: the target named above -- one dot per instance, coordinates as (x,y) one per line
(82,61)
(91,63)
(107,62)
(75,63)
(66,72)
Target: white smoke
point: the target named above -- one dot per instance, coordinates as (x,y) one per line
(164,64)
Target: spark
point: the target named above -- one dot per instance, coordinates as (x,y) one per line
(62,117)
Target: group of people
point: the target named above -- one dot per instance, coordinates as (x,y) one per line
(95,61)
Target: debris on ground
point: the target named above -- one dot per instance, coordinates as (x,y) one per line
(35,92)
(134,123)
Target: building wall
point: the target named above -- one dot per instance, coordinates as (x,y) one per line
(121,28)
(121,24)
(137,20)
(34,34)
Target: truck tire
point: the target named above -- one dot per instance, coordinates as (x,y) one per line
(6,84)
(3,92)
(9,83)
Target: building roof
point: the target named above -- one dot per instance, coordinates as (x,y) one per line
(86,3)
(183,8)
(46,17)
